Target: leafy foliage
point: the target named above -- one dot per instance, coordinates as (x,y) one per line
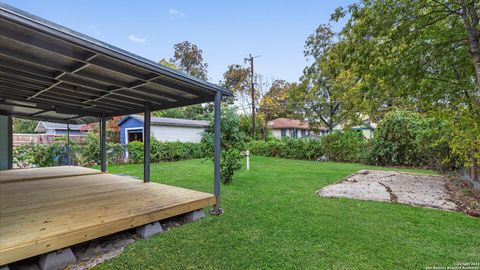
(165,151)
(195,112)
(40,155)
(405,138)
(287,148)
(24,125)
(314,98)
(344,146)
(232,143)
(420,56)
(230,164)
(337,146)
(188,57)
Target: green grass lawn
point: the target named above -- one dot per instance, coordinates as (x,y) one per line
(273,219)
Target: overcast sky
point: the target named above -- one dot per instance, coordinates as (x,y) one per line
(226,31)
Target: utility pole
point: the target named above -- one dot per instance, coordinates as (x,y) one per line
(252,88)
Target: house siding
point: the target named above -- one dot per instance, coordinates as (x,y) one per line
(163,133)
(181,134)
(290,132)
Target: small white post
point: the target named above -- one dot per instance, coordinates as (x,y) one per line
(248,159)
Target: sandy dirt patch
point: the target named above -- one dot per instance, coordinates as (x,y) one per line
(388,186)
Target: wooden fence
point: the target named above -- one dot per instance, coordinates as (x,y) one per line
(21,139)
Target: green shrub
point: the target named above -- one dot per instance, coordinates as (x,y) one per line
(408,139)
(232,143)
(287,148)
(343,146)
(40,155)
(165,151)
(231,162)
(115,153)
(135,152)
(90,151)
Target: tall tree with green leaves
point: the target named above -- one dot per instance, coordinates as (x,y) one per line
(188,57)
(273,103)
(420,55)
(313,99)
(195,112)
(237,79)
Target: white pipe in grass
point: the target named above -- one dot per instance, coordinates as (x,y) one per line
(248,159)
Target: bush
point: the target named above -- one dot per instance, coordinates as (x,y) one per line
(135,152)
(287,148)
(90,151)
(40,155)
(231,159)
(337,146)
(165,151)
(232,140)
(408,139)
(343,146)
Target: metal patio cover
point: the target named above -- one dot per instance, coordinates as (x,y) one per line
(49,72)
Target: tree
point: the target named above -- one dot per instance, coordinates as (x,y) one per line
(195,112)
(237,80)
(313,99)
(24,125)
(415,55)
(273,103)
(188,58)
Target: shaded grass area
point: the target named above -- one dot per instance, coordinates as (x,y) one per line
(273,219)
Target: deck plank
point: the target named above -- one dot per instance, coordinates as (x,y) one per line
(20,175)
(40,216)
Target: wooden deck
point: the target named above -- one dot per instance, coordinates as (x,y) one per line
(17,175)
(50,212)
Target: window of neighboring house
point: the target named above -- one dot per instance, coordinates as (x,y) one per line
(304,133)
(135,135)
(293,133)
(283,132)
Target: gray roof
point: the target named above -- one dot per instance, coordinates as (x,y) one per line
(164,121)
(42,126)
(49,72)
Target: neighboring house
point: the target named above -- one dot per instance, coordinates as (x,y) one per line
(163,129)
(293,128)
(50,128)
(367,129)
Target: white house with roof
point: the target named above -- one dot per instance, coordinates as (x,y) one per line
(50,128)
(162,128)
(293,128)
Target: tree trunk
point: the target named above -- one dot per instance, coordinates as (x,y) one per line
(471,20)
(474,169)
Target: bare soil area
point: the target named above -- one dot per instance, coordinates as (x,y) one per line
(388,186)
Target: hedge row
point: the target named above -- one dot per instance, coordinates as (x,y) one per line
(337,146)
(55,154)
(401,139)
(166,151)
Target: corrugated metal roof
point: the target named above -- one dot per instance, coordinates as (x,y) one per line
(164,121)
(50,72)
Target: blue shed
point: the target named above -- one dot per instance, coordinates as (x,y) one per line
(162,128)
